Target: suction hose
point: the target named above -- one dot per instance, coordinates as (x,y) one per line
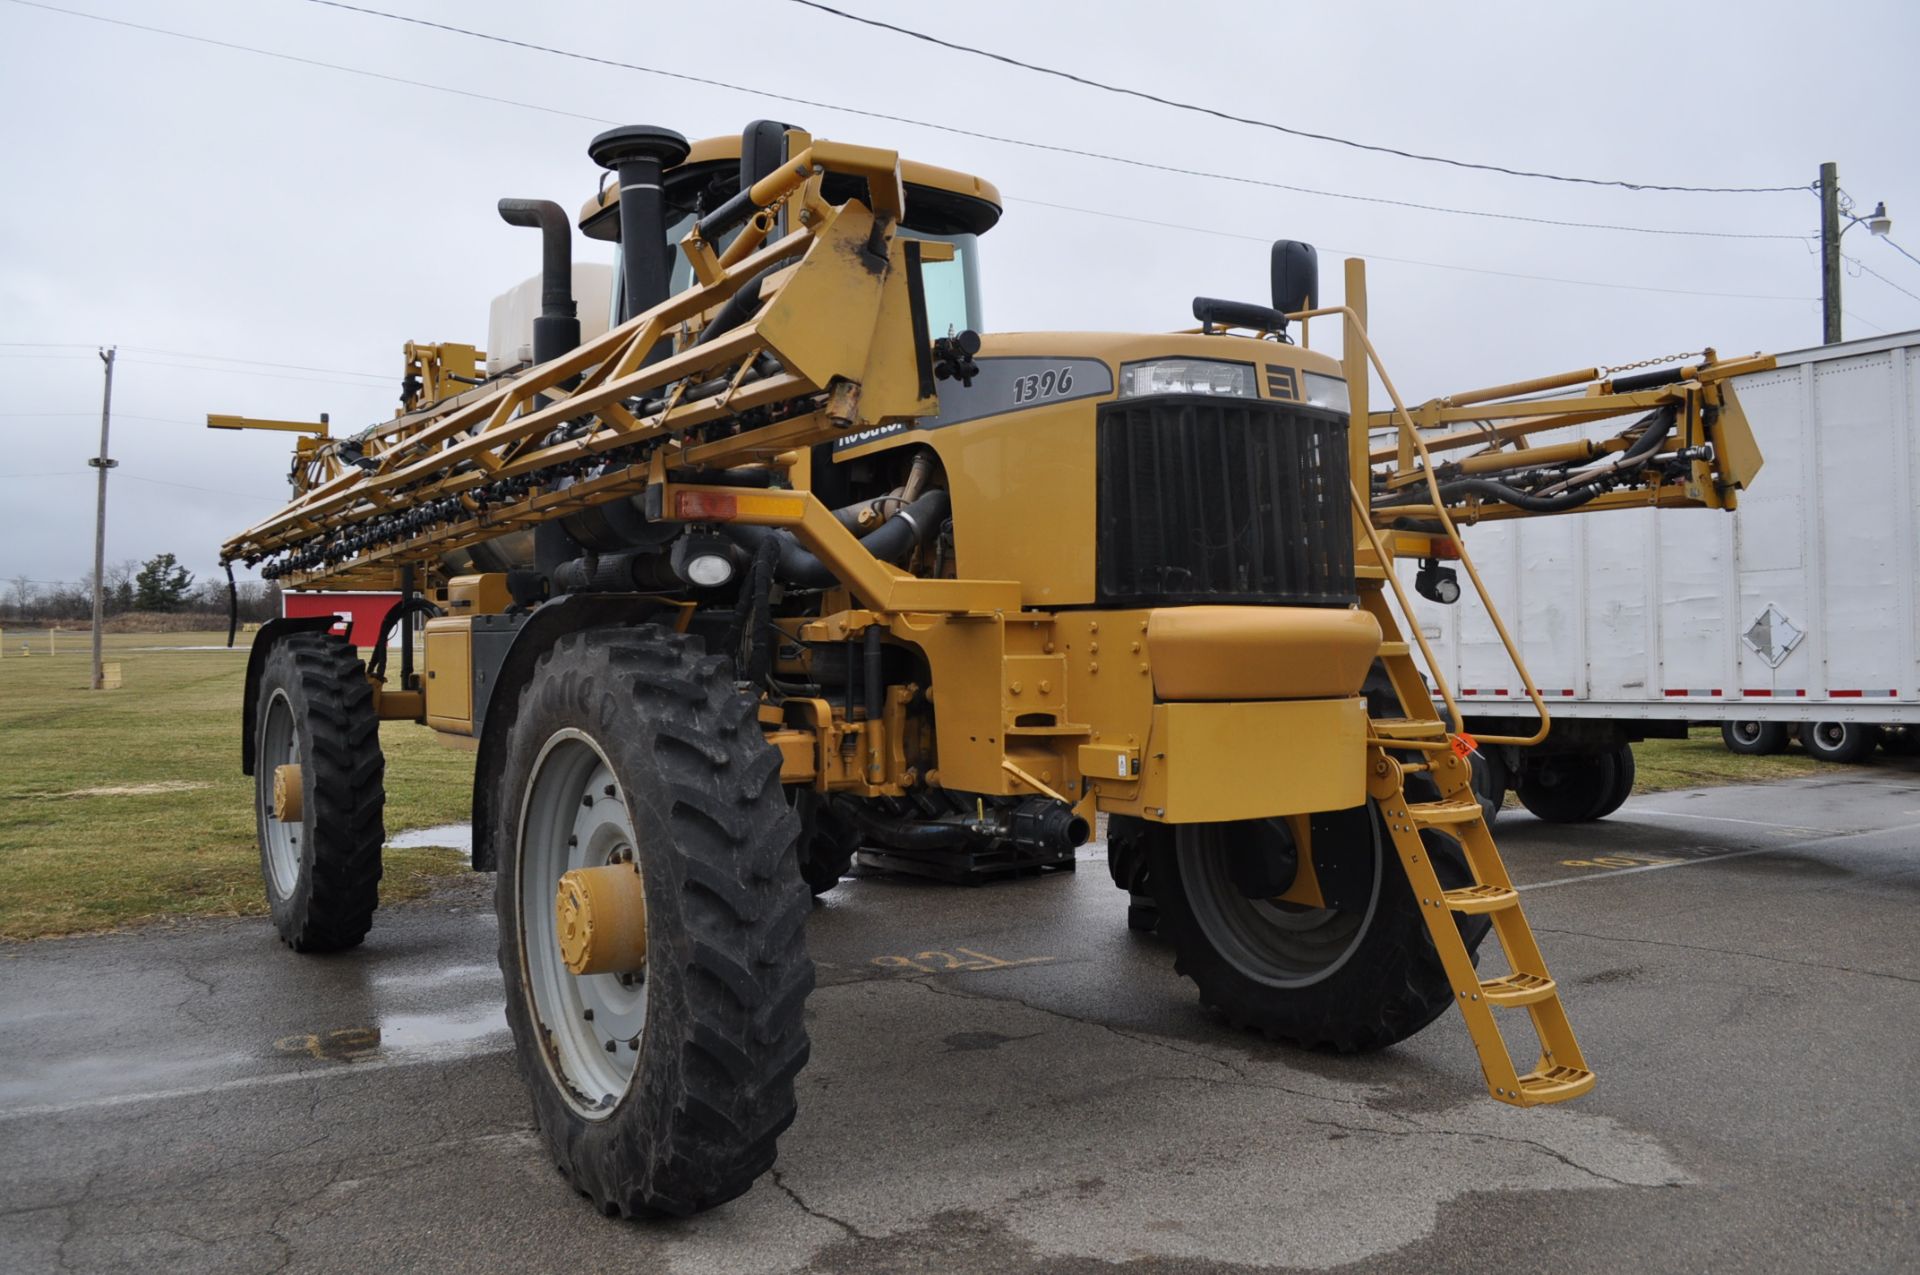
(891,541)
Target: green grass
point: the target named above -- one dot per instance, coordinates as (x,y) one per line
(72,861)
(1703,761)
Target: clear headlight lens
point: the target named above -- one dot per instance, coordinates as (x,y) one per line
(1187,376)
(1327,391)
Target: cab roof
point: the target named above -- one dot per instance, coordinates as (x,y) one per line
(940,201)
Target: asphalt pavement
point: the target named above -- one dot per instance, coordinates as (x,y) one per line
(1005,1079)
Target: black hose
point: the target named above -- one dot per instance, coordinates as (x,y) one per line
(739,307)
(750,638)
(908,834)
(377,658)
(871,675)
(1656,427)
(233,606)
(891,541)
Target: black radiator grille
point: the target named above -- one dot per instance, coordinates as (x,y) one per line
(1223,500)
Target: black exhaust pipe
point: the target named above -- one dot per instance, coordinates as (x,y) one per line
(640,154)
(557,330)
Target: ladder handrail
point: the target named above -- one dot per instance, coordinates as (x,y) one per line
(1354,327)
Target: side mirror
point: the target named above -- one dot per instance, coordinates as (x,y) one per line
(1296,276)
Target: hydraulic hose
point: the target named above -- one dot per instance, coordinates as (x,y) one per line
(891,541)
(1657,427)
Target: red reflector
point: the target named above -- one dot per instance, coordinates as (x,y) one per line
(705,506)
(1844,694)
(1762,694)
(1674,694)
(1442,548)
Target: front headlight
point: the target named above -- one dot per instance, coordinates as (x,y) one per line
(1187,376)
(1327,391)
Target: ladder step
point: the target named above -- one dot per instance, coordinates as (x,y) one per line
(1405,728)
(1517,989)
(1430,814)
(1390,649)
(1476,899)
(1555,1084)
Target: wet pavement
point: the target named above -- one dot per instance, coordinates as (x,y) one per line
(1005,1079)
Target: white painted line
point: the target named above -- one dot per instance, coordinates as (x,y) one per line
(457,1053)
(1752,823)
(1715,858)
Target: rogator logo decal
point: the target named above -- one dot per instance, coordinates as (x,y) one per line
(1003,385)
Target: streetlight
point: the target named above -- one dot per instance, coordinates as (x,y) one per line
(1877,223)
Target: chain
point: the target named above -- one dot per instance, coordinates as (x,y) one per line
(1665,358)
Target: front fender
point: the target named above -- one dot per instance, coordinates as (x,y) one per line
(263,641)
(543,628)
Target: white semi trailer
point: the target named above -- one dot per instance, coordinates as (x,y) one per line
(1796,617)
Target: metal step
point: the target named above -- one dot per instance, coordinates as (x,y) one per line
(1554,1084)
(1431,814)
(1517,989)
(1477,899)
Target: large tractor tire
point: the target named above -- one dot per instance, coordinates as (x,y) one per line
(1573,787)
(1346,979)
(1841,742)
(1754,739)
(826,844)
(662,1084)
(318,792)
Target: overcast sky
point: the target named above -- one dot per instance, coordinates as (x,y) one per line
(196,204)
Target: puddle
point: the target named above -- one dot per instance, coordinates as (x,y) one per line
(451,836)
(400,1035)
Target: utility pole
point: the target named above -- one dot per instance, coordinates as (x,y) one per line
(1829,254)
(102,463)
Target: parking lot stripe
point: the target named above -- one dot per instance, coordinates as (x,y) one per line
(1720,858)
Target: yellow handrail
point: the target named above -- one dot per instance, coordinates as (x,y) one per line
(1354,328)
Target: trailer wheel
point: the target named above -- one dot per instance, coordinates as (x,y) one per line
(1346,979)
(1844,742)
(1569,787)
(318,792)
(1900,741)
(661,1077)
(1490,782)
(1624,772)
(1754,739)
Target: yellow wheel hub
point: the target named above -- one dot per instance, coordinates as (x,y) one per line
(286,793)
(602,915)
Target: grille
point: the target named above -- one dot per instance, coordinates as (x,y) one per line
(1222,500)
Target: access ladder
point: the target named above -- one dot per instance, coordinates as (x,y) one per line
(1561,1072)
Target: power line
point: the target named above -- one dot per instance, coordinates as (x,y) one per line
(187,486)
(1239,179)
(1244,119)
(289,57)
(237,371)
(177,354)
(1026,143)
(1902,251)
(943,128)
(1882,278)
(225,358)
(1413,261)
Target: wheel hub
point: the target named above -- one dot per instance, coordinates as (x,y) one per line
(602,918)
(286,793)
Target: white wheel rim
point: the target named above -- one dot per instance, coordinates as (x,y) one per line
(1278,944)
(575,816)
(279,746)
